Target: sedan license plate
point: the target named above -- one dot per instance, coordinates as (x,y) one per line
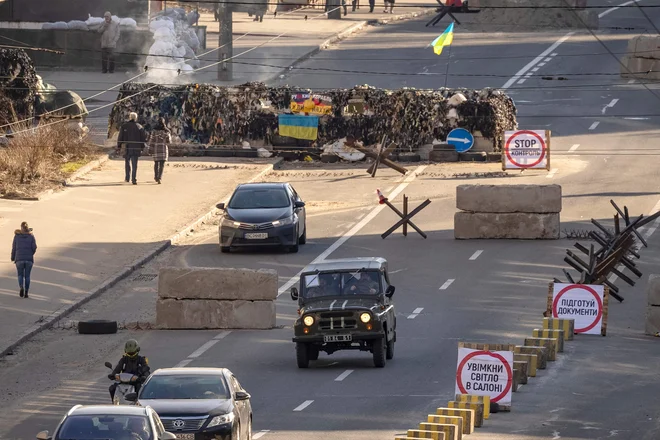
(338,338)
(256,235)
(185,436)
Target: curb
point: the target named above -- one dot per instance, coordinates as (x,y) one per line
(125,272)
(348,32)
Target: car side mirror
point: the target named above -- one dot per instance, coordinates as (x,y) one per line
(299,204)
(242,395)
(389,292)
(108,364)
(168,436)
(294,294)
(43,435)
(131,397)
(220,206)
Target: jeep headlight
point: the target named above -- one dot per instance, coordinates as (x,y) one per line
(308,320)
(221,420)
(365,317)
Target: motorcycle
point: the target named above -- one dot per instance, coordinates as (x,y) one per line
(125,386)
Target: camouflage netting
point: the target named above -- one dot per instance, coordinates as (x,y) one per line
(18,85)
(214,115)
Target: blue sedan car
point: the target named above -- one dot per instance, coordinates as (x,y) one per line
(263,214)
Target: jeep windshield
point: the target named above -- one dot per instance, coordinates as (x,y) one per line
(341,283)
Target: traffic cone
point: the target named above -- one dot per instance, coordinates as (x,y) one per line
(381,197)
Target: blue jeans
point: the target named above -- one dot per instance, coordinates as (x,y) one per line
(131,160)
(24,268)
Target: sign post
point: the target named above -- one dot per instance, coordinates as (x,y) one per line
(461,139)
(526,149)
(586,304)
(485,373)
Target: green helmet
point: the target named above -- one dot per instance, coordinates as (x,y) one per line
(131,348)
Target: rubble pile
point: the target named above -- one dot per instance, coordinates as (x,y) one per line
(214,115)
(18,85)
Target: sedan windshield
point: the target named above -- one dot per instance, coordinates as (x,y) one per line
(101,427)
(185,386)
(341,284)
(259,198)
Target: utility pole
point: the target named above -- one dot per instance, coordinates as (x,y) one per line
(225,69)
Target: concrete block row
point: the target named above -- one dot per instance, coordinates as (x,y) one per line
(653,306)
(640,68)
(520,226)
(539,199)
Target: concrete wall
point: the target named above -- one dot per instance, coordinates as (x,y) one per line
(642,59)
(210,298)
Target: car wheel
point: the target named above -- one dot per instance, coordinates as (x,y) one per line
(379,350)
(225,249)
(390,349)
(303,237)
(314,353)
(293,249)
(302,355)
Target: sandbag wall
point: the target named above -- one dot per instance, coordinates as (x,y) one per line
(209,298)
(642,59)
(507,212)
(215,115)
(18,86)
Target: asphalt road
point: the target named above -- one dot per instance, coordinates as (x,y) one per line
(602,387)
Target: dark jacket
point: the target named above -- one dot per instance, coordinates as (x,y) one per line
(137,366)
(158,141)
(133,136)
(24,246)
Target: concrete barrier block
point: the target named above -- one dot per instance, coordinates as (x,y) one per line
(471,398)
(541,199)
(487,347)
(548,333)
(653,290)
(549,343)
(531,362)
(418,433)
(478,409)
(640,68)
(210,314)
(521,226)
(652,320)
(645,46)
(468,416)
(519,378)
(451,431)
(522,366)
(217,283)
(540,352)
(449,420)
(568,325)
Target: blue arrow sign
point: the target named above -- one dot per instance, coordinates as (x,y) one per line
(461,139)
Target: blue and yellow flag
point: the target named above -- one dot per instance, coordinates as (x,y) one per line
(443,40)
(299,126)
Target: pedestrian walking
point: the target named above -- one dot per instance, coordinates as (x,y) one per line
(133,137)
(110,32)
(389,3)
(22,253)
(158,143)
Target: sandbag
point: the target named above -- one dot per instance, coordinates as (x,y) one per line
(128,23)
(77,25)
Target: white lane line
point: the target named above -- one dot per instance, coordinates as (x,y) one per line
(476,255)
(522,81)
(388,189)
(603,14)
(222,335)
(536,60)
(415,312)
(610,105)
(183,363)
(303,405)
(547,60)
(355,229)
(632,81)
(554,54)
(260,434)
(343,375)
(552,173)
(535,69)
(573,148)
(594,125)
(541,64)
(201,350)
(447,284)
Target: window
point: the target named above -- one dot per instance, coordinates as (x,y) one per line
(260,198)
(189,386)
(102,427)
(341,283)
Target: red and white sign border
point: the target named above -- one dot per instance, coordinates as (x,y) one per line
(509,163)
(493,354)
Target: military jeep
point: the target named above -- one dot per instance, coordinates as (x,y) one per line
(345,304)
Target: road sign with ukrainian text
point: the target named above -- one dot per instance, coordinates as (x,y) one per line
(526,149)
(485,373)
(461,139)
(586,304)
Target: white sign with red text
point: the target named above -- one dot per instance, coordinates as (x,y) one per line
(581,302)
(526,149)
(485,373)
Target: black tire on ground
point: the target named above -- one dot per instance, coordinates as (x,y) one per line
(225,249)
(379,350)
(390,350)
(97,327)
(303,237)
(313,353)
(302,355)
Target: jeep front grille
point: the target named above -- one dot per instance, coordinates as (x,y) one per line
(338,323)
(336,315)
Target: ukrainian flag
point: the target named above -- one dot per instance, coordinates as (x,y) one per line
(443,40)
(299,126)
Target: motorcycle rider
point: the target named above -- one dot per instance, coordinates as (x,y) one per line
(131,363)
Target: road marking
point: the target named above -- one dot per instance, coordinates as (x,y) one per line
(415,312)
(476,255)
(535,69)
(573,148)
(389,188)
(222,335)
(361,224)
(552,173)
(554,54)
(201,350)
(522,81)
(610,105)
(343,375)
(541,64)
(260,434)
(547,60)
(637,119)
(303,405)
(447,284)
(603,14)
(183,363)
(594,125)
(632,81)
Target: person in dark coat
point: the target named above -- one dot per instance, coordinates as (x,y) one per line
(22,253)
(133,137)
(159,140)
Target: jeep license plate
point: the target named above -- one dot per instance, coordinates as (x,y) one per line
(256,235)
(338,338)
(185,436)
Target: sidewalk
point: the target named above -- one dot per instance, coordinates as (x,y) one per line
(94,229)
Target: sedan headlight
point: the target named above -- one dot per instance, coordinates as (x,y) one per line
(284,221)
(221,420)
(308,320)
(230,223)
(365,317)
